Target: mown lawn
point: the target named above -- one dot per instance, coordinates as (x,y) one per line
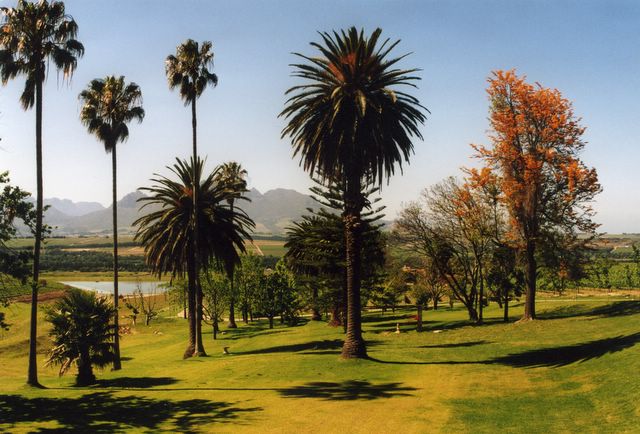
(577,369)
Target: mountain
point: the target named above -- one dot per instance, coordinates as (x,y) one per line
(71,208)
(272,211)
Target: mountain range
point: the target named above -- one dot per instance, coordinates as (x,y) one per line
(272,212)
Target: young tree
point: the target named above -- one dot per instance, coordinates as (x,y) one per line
(216,290)
(349,123)
(14,264)
(82,333)
(248,277)
(536,141)
(32,35)
(108,105)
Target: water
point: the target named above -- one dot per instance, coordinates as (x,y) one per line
(124,288)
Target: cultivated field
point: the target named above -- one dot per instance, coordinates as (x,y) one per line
(573,370)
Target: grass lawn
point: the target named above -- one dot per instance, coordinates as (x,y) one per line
(577,369)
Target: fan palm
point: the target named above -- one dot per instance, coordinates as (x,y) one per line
(348,122)
(108,106)
(189,71)
(31,35)
(167,233)
(233,176)
(82,333)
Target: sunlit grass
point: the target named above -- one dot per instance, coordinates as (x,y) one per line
(575,369)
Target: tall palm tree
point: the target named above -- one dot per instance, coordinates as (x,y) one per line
(32,35)
(108,105)
(167,233)
(233,176)
(349,123)
(189,71)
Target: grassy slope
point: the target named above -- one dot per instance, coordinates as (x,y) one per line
(575,370)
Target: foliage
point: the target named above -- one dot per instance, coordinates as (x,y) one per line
(545,187)
(188,69)
(216,289)
(348,122)
(277,295)
(82,333)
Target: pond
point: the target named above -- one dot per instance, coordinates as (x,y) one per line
(124,288)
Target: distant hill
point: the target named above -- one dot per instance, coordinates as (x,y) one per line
(272,211)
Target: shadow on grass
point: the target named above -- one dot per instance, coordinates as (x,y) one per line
(616,309)
(378,317)
(456,345)
(103,412)
(136,382)
(562,356)
(546,357)
(314,347)
(347,391)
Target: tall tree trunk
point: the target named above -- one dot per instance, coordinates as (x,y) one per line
(419,327)
(336,315)
(531,269)
(270,321)
(199,348)
(232,309)
(345,302)
(245,313)
(481,300)
(191,304)
(354,345)
(215,329)
(506,306)
(117,365)
(32,375)
(315,312)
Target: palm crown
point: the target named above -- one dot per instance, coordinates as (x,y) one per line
(108,105)
(31,34)
(167,233)
(233,175)
(348,116)
(189,69)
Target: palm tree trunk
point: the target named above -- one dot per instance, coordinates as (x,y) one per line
(232,310)
(116,336)
(531,269)
(199,348)
(354,345)
(32,376)
(191,304)
(315,312)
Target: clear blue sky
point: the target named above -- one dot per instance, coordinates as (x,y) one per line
(590,50)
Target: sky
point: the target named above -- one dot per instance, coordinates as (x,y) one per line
(589,50)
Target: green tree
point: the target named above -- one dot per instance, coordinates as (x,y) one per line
(82,333)
(167,233)
(14,263)
(108,105)
(32,35)
(188,70)
(233,176)
(348,122)
(217,294)
(248,276)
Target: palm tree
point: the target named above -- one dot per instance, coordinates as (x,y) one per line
(108,106)
(167,233)
(82,333)
(348,123)
(233,176)
(31,35)
(189,70)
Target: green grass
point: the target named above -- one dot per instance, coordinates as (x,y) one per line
(576,369)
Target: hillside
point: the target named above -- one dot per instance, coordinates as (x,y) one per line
(272,211)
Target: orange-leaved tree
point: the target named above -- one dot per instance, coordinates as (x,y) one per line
(546,188)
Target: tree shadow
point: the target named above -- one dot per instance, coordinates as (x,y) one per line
(313,347)
(347,391)
(456,345)
(377,317)
(566,355)
(136,382)
(615,309)
(248,332)
(103,412)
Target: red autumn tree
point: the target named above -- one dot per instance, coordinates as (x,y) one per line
(546,188)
